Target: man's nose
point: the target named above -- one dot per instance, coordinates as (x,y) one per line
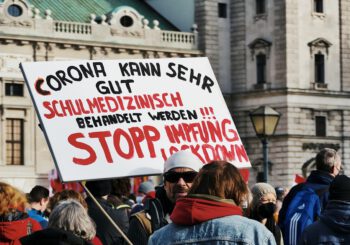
(181,181)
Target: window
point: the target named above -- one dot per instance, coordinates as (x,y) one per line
(318,6)
(13,89)
(320,126)
(15,10)
(126,21)
(14,142)
(260,7)
(222,10)
(319,68)
(261,68)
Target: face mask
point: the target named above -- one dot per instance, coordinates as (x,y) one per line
(266,210)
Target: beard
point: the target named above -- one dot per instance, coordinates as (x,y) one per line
(179,191)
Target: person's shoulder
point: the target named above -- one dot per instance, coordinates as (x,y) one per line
(153,206)
(163,232)
(315,227)
(142,217)
(229,226)
(33,213)
(237,219)
(243,224)
(36,226)
(314,232)
(30,224)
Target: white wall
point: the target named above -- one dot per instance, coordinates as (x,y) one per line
(311,28)
(260,29)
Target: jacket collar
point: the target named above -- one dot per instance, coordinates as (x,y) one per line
(198,208)
(320,177)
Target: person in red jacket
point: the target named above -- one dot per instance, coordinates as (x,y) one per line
(14,221)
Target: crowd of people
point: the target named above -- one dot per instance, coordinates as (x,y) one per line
(196,204)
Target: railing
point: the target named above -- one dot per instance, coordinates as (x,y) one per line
(104,33)
(74,28)
(170,37)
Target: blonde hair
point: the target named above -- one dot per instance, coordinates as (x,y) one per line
(70,215)
(11,199)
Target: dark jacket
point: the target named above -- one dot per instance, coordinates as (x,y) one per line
(333,226)
(15,226)
(317,180)
(292,227)
(271,225)
(52,236)
(155,210)
(104,229)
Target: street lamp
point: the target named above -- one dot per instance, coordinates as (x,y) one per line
(264,120)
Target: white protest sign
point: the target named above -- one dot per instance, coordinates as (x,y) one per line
(116,118)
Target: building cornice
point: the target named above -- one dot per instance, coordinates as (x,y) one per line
(22,40)
(286,92)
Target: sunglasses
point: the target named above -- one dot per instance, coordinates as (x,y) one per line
(173,177)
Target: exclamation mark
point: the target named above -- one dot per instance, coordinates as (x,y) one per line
(202,112)
(207,112)
(212,112)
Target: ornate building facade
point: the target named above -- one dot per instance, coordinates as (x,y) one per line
(292,56)
(67,30)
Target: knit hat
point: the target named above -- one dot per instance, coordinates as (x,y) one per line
(99,188)
(340,188)
(146,187)
(261,189)
(183,159)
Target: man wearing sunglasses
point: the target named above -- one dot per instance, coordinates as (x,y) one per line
(180,169)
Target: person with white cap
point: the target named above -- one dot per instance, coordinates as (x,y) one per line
(212,212)
(180,169)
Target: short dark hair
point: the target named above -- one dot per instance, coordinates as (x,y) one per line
(221,179)
(37,193)
(121,187)
(326,159)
